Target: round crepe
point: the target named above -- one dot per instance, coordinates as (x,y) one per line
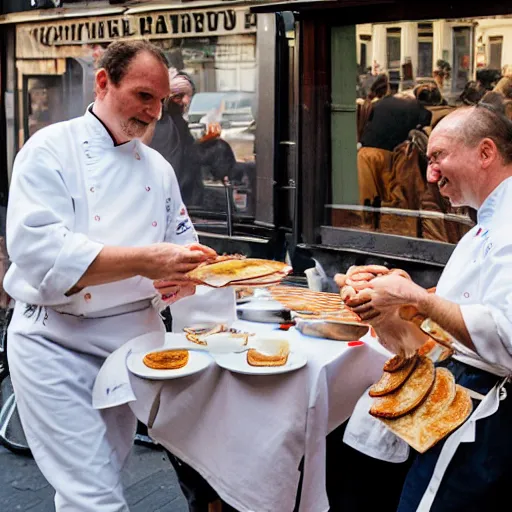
(222,273)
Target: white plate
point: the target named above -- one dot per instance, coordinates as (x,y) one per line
(238,363)
(197,362)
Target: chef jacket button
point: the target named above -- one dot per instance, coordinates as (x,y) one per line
(97,218)
(466,295)
(87,297)
(148,189)
(154,223)
(92,189)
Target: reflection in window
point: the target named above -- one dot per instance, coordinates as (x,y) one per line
(210,142)
(425,49)
(420,72)
(207,130)
(495,52)
(44,106)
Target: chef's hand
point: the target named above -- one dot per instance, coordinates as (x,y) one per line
(386,294)
(171,262)
(173,293)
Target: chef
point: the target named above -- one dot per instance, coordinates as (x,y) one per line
(470,158)
(94,217)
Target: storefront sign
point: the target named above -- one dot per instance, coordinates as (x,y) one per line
(36,39)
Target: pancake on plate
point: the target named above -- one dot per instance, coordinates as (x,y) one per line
(269,352)
(166,359)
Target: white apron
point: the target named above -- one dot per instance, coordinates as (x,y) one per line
(125,195)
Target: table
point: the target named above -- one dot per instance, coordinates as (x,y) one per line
(246,434)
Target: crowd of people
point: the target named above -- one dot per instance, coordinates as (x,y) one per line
(393,131)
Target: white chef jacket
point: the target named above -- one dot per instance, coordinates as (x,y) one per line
(72,192)
(478,276)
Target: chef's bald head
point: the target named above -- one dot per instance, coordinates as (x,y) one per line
(486,120)
(118,56)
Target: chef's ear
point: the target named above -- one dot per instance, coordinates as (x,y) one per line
(488,152)
(101,83)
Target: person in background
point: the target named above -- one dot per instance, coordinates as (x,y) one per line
(171,137)
(472,93)
(378,89)
(504,89)
(390,121)
(430,97)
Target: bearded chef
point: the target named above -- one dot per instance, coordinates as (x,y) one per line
(94,217)
(470,158)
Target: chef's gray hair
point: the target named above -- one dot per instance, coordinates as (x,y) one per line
(488,120)
(118,55)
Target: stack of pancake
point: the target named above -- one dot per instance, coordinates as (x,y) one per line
(419,403)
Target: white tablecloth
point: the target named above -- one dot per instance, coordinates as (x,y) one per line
(246,434)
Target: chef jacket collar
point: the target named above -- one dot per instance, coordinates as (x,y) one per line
(100,129)
(486,211)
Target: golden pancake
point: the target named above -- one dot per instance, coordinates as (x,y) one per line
(439,415)
(166,359)
(236,271)
(391,381)
(409,395)
(395,363)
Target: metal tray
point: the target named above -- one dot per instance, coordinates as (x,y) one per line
(338,331)
(263,311)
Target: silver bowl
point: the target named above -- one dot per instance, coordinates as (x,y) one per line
(331,330)
(264,310)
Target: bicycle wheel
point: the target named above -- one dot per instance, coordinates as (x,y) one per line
(11,430)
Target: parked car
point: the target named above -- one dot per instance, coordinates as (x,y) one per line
(231,109)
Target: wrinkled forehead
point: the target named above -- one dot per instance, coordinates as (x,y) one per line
(146,71)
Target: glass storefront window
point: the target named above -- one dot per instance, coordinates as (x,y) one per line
(421,71)
(208,135)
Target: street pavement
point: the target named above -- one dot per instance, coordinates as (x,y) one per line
(149,479)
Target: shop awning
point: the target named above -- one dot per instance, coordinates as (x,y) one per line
(53,14)
(41,15)
(384,10)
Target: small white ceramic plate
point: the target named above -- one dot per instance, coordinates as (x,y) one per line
(238,363)
(197,362)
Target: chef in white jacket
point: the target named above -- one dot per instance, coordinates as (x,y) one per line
(470,158)
(94,217)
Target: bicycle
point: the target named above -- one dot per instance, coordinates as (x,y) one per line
(11,430)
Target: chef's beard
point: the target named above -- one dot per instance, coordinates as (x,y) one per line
(134,128)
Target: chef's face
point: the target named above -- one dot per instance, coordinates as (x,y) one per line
(454,167)
(135,102)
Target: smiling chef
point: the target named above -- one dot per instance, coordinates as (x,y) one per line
(94,217)
(470,158)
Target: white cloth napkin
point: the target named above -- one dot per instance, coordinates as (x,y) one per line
(207,306)
(370,436)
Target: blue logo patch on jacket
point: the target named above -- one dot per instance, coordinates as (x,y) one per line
(183,226)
